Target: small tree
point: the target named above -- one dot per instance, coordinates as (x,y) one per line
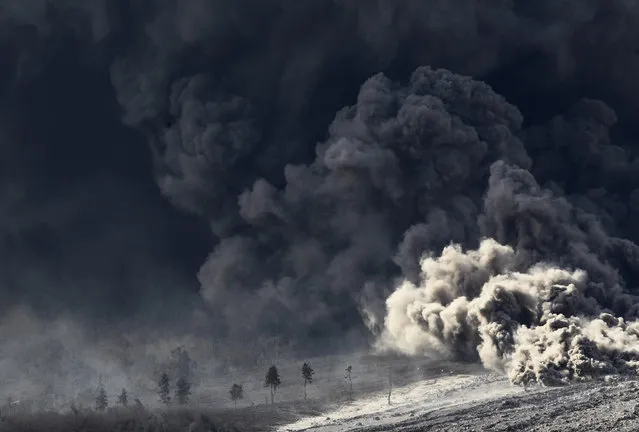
(164,389)
(237,393)
(272,381)
(123,399)
(349,377)
(101,400)
(182,391)
(307,374)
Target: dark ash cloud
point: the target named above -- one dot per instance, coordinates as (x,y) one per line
(305,160)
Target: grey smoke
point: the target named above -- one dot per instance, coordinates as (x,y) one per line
(536,324)
(233,100)
(541,299)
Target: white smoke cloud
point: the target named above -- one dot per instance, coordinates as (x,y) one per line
(526,323)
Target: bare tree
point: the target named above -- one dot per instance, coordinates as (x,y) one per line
(123,399)
(236,393)
(253,415)
(307,374)
(164,389)
(272,380)
(349,377)
(390,385)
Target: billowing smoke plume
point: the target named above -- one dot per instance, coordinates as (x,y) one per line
(536,323)
(308,232)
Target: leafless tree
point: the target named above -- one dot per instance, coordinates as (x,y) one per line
(349,377)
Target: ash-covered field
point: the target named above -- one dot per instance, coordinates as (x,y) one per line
(429,396)
(486,403)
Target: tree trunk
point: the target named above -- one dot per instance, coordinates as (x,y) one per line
(304,389)
(272,396)
(390,386)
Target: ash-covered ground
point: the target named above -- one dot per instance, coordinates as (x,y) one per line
(457,399)
(465,403)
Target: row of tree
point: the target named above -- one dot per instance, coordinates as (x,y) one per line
(102,400)
(182,391)
(272,381)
